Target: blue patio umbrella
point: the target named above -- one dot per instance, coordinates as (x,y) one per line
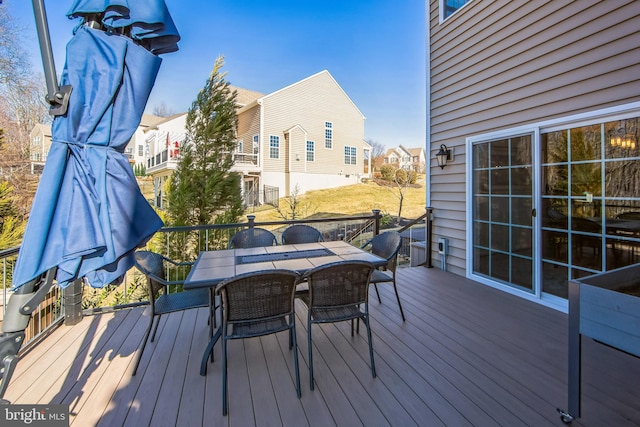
(88,215)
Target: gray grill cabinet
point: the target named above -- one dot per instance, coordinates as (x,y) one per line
(605,307)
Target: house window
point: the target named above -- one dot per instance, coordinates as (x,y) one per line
(310,151)
(140,150)
(328,135)
(449,7)
(274,147)
(349,155)
(256,144)
(239,147)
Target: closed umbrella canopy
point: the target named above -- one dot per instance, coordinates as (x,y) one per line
(88,215)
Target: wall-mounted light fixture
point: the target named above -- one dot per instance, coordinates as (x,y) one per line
(297,157)
(443,155)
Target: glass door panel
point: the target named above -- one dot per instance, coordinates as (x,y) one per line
(589,186)
(502,211)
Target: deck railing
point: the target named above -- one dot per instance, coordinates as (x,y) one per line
(182,244)
(49,313)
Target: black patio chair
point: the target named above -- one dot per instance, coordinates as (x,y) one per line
(252,238)
(338,292)
(153,266)
(300,233)
(386,245)
(256,304)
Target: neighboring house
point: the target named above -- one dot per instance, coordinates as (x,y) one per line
(406,158)
(306,136)
(418,159)
(540,103)
(40,138)
(162,142)
(137,150)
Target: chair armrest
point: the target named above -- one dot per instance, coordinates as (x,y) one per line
(367,243)
(178,264)
(163,282)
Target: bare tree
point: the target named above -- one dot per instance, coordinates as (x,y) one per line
(398,180)
(294,206)
(162,110)
(22,106)
(13,63)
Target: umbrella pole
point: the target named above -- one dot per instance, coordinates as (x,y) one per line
(57,97)
(27,298)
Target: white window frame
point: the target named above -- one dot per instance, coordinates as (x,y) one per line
(350,155)
(328,135)
(311,151)
(274,147)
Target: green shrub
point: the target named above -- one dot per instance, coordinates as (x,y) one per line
(412,176)
(387,172)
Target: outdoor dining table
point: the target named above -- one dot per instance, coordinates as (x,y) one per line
(212,267)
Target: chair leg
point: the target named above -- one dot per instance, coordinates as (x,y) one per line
(291,337)
(373,364)
(395,288)
(295,355)
(144,344)
(224,377)
(309,345)
(375,286)
(155,329)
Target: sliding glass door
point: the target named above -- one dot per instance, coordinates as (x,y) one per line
(583,217)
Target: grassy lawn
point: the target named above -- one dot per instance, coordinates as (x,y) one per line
(352,200)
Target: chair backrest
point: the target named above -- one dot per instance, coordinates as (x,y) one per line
(252,238)
(339,284)
(151,264)
(629,215)
(387,245)
(301,233)
(258,295)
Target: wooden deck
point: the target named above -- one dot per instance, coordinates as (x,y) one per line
(467,355)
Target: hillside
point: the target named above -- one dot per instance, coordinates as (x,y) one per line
(352,200)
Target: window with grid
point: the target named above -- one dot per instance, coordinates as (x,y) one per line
(328,135)
(274,147)
(349,155)
(311,147)
(256,144)
(240,146)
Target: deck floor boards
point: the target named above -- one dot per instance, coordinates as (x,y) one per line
(468,354)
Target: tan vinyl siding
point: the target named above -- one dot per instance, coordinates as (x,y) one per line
(248,126)
(497,65)
(310,103)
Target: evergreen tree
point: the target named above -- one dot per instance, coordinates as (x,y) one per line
(11,224)
(203,190)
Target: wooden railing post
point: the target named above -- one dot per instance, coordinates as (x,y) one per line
(376,221)
(429,237)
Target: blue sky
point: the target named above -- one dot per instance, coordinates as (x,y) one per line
(375,49)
